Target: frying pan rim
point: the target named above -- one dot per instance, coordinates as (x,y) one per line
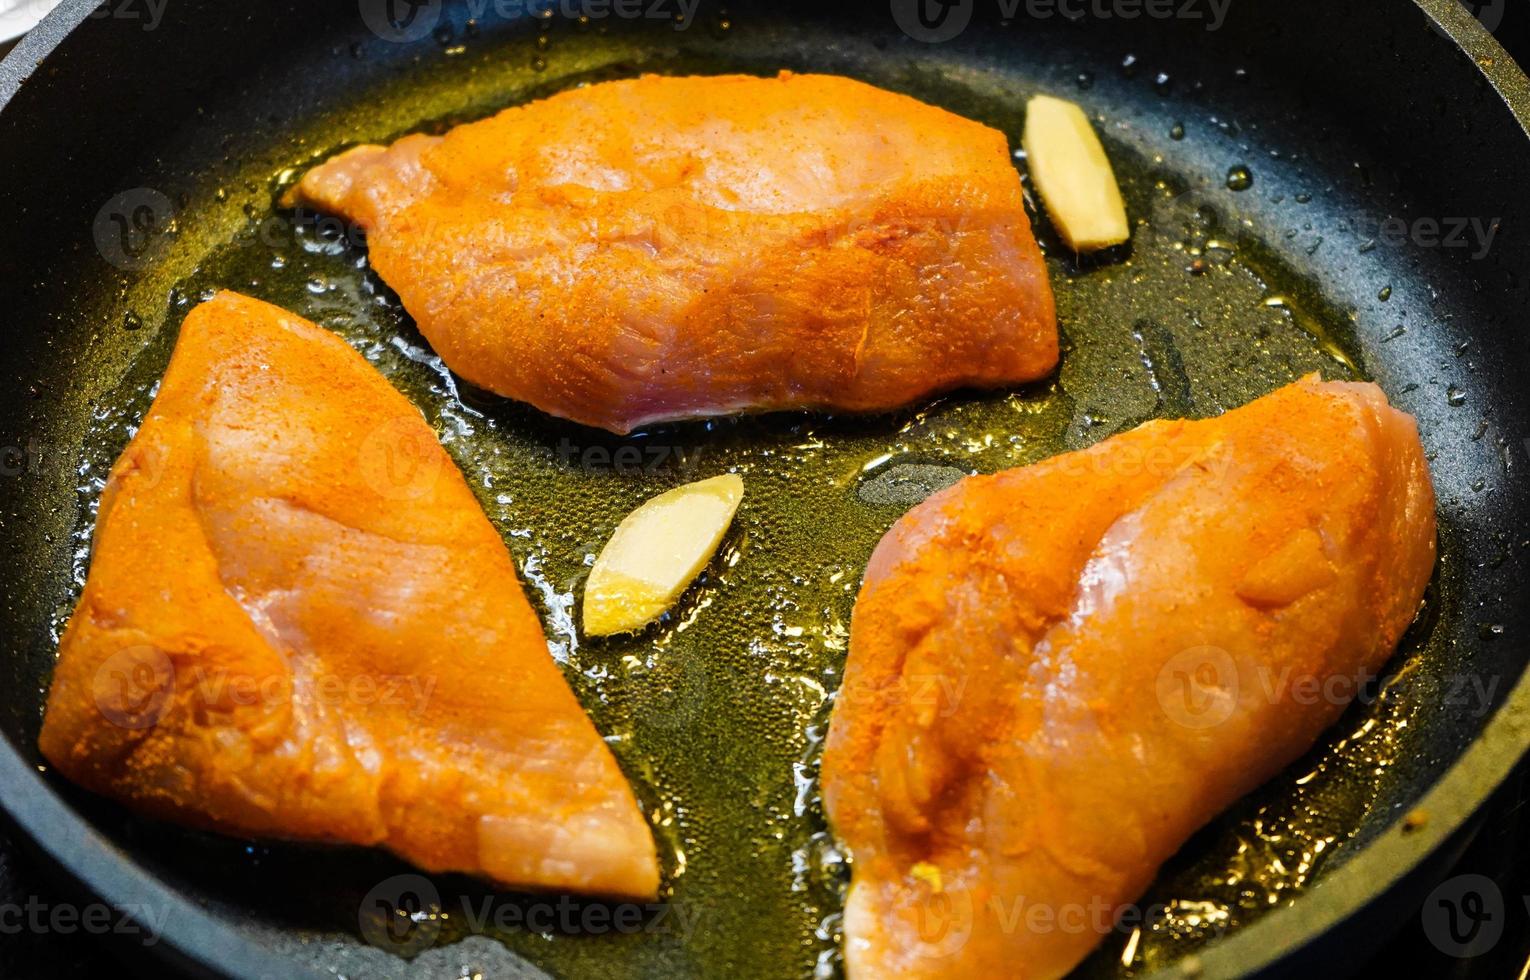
(90,859)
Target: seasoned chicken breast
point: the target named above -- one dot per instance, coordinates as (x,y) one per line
(1059,672)
(298,623)
(668,248)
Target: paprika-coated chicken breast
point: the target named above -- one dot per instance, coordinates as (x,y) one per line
(1058,673)
(298,623)
(667,248)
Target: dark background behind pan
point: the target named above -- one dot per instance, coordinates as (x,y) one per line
(1388,116)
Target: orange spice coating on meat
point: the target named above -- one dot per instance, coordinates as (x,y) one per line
(1058,673)
(298,623)
(666,248)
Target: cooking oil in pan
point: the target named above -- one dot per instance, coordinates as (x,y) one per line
(718,712)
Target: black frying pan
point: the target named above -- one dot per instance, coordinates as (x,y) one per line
(1383,234)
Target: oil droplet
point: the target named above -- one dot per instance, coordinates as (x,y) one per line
(1163,84)
(1455,396)
(1129,65)
(1385,294)
(543,42)
(1085,80)
(1177,131)
(539,63)
(1490,631)
(131,321)
(1240,178)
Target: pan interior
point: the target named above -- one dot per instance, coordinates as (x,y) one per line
(1254,261)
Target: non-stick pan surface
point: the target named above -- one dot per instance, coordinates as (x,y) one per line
(1318,187)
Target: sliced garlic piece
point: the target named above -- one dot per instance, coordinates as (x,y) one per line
(1070,170)
(656,551)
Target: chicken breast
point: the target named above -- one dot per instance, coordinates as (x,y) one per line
(670,248)
(298,623)
(1058,673)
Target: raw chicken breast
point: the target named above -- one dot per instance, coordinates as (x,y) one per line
(669,248)
(298,623)
(1059,672)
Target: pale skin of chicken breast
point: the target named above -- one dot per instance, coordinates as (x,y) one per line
(668,248)
(299,624)
(1058,673)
